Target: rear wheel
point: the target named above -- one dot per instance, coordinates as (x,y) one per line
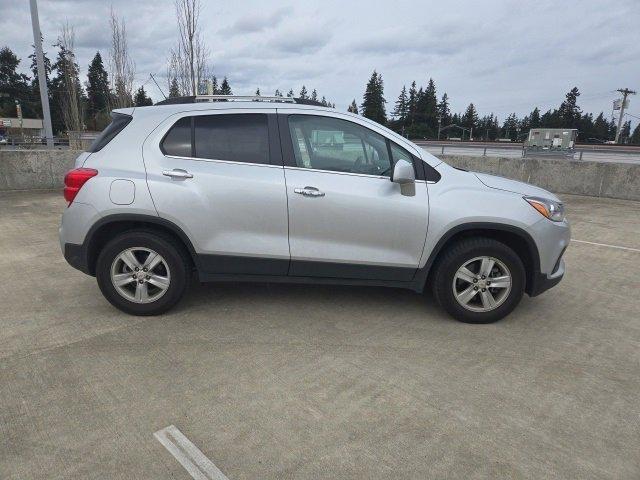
(143,273)
(479,280)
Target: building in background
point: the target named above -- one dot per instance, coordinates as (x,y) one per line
(551,139)
(31,129)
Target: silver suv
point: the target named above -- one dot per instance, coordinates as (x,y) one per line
(276,189)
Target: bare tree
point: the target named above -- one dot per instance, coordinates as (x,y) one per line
(121,66)
(188,60)
(70,98)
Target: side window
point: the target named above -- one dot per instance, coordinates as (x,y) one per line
(399,153)
(177,141)
(325,143)
(240,137)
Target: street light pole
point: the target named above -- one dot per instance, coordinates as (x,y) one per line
(42,75)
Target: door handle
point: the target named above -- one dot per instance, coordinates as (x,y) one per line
(309,192)
(177,173)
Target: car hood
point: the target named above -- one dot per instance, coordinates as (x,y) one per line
(501,183)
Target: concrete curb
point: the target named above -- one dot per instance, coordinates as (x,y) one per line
(595,179)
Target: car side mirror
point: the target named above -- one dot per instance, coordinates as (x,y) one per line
(404,175)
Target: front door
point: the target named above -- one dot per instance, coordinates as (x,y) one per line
(219,177)
(346,218)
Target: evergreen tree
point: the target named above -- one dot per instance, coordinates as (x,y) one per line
(174,88)
(353,108)
(635,137)
(569,112)
(98,95)
(418,116)
(225,88)
(277,93)
(314,95)
(36,105)
(443,110)
(430,106)
(600,128)
(534,118)
(625,132)
(141,99)
(412,103)
(290,93)
(402,106)
(470,119)
(214,85)
(13,85)
(67,94)
(510,127)
(324,101)
(373,101)
(303,93)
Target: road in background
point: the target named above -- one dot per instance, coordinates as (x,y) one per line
(593,153)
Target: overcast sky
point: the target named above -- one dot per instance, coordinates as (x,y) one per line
(505,56)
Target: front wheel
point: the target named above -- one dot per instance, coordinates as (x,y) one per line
(479,280)
(142,273)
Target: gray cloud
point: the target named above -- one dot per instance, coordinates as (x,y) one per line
(255,22)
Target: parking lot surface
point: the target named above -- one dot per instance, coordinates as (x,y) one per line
(306,382)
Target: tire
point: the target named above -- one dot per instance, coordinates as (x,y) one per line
(450,282)
(173,269)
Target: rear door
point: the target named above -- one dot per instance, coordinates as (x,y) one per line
(219,177)
(346,218)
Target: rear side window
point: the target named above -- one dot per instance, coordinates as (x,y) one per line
(118,122)
(177,141)
(240,137)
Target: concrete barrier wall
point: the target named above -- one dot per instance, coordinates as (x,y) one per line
(42,169)
(34,169)
(597,179)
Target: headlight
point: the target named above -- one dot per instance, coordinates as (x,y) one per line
(552,210)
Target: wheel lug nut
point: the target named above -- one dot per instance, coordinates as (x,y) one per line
(475,280)
(484,276)
(136,269)
(475,288)
(145,269)
(148,277)
(484,289)
(140,281)
(488,283)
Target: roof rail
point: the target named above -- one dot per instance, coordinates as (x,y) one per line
(237,98)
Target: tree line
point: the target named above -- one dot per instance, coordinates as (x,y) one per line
(419,113)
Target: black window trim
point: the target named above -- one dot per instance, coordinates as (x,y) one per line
(107,136)
(275,156)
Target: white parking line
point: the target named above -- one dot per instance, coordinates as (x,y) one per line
(607,245)
(189,456)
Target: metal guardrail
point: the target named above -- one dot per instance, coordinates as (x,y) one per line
(514,151)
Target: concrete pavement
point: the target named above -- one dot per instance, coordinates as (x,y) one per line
(306,382)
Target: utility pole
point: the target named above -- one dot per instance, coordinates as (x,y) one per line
(439,123)
(42,74)
(625,92)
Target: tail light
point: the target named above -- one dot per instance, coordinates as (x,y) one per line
(74,180)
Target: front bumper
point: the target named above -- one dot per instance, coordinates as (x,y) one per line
(541,282)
